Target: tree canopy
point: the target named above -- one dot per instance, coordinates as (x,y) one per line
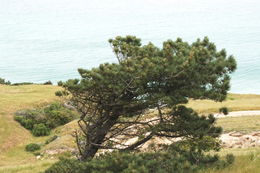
(113,97)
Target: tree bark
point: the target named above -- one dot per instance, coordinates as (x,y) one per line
(97,138)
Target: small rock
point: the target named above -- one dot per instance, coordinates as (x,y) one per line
(256,134)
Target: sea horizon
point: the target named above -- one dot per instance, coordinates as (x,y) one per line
(49,40)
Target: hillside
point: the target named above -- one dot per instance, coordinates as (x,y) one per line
(14,137)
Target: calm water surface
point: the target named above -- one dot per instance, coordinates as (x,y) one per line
(44,40)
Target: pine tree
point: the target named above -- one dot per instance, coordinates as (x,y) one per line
(113,97)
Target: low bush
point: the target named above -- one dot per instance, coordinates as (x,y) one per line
(40,121)
(60,83)
(224,110)
(51,139)
(230,158)
(4,82)
(161,162)
(32,147)
(40,130)
(56,115)
(59,93)
(22,83)
(164,161)
(47,83)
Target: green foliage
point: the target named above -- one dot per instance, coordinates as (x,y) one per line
(40,121)
(126,163)
(61,93)
(146,77)
(51,139)
(230,158)
(47,83)
(56,114)
(60,83)
(67,166)
(40,130)
(22,83)
(32,147)
(28,118)
(58,93)
(165,161)
(224,110)
(4,82)
(220,164)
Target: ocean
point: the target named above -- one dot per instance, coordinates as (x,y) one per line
(44,40)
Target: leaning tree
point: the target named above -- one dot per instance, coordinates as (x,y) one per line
(112,98)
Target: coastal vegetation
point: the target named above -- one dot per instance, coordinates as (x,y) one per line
(4,82)
(112,100)
(32,147)
(14,158)
(151,94)
(41,121)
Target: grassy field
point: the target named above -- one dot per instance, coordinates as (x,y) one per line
(234,102)
(13,137)
(34,167)
(247,160)
(245,124)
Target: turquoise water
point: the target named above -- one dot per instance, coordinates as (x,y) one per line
(44,40)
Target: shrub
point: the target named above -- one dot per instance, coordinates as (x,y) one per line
(58,93)
(61,93)
(60,83)
(4,82)
(51,139)
(67,166)
(28,124)
(18,119)
(52,116)
(57,114)
(57,118)
(230,158)
(40,130)
(32,147)
(224,110)
(127,163)
(164,161)
(47,83)
(22,83)
(167,160)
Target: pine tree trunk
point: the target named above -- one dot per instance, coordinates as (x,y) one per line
(97,138)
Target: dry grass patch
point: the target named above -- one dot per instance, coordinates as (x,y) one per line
(243,124)
(234,102)
(28,168)
(247,160)
(14,137)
